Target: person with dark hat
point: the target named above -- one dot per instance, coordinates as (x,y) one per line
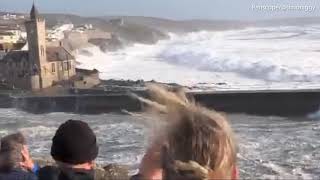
(15,161)
(74,148)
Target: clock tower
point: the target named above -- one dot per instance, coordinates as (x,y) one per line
(36,35)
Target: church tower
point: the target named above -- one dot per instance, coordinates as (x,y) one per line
(36,35)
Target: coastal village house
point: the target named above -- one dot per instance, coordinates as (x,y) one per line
(41,66)
(8,37)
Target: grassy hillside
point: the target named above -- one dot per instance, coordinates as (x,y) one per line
(150,29)
(199,24)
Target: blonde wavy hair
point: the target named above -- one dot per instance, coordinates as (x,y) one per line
(197,139)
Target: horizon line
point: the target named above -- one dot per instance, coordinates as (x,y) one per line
(170,19)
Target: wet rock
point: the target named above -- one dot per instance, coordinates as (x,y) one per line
(115,172)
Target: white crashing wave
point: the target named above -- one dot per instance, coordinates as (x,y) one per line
(57,32)
(278,55)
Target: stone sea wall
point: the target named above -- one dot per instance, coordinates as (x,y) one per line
(5,101)
(282,103)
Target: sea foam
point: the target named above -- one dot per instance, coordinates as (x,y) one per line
(273,55)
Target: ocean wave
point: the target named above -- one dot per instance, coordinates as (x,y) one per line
(271,59)
(270,147)
(198,57)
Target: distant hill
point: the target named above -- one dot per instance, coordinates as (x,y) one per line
(199,24)
(168,25)
(172,25)
(150,29)
(160,26)
(130,32)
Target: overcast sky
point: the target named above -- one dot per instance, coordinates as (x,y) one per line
(174,9)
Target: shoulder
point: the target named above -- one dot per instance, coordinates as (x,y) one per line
(31,176)
(18,175)
(49,173)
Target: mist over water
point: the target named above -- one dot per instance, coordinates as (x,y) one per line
(270,56)
(270,147)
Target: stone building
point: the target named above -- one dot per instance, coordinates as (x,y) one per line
(41,66)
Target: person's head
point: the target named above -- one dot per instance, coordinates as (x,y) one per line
(11,151)
(197,144)
(202,141)
(74,146)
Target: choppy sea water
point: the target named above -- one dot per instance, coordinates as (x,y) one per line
(263,57)
(270,147)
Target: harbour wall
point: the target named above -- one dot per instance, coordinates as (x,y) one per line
(280,103)
(6,101)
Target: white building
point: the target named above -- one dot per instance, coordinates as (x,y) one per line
(8,37)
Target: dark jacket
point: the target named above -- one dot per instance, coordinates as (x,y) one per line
(54,173)
(17,174)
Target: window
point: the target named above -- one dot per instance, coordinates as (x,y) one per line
(65,66)
(61,66)
(53,67)
(69,65)
(42,50)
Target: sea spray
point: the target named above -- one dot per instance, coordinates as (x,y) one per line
(273,55)
(287,148)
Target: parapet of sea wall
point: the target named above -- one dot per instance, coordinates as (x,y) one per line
(5,101)
(88,104)
(279,103)
(282,103)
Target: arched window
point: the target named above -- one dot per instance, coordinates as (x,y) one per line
(65,65)
(69,65)
(53,67)
(42,50)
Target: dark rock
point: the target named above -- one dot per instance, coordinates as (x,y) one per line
(113,171)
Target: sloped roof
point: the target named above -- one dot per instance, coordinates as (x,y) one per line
(58,54)
(86,71)
(9,27)
(4,33)
(53,54)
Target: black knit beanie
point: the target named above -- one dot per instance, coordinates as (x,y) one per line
(74,143)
